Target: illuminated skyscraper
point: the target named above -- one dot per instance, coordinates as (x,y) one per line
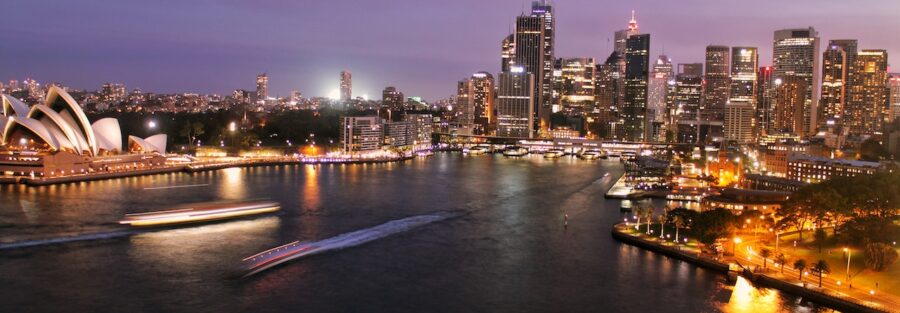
(465,107)
(534,45)
(576,85)
(790,100)
(634,106)
(716,84)
(688,88)
(894,102)
(346,85)
(262,87)
(515,103)
(602,119)
(392,103)
(529,56)
(864,111)
(622,35)
(658,88)
(796,52)
(507,52)
(739,111)
(765,104)
(475,102)
(836,63)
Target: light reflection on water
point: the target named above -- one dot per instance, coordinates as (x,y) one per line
(510,253)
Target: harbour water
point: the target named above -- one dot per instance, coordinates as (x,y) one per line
(503,250)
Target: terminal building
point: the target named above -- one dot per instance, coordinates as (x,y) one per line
(55,138)
(813,169)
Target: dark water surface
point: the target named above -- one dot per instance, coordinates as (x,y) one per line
(506,249)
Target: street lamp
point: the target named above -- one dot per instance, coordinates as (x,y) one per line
(151,124)
(232,127)
(737,240)
(848,263)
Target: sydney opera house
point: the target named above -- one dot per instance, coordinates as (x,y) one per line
(55,138)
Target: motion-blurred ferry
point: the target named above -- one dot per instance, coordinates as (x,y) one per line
(515,151)
(201,212)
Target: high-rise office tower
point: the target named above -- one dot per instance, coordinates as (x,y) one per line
(836,62)
(507,52)
(634,105)
(483,102)
(739,115)
(392,103)
(688,90)
(716,84)
(790,102)
(262,87)
(796,52)
(346,85)
(894,102)
(530,56)
(576,85)
(765,104)
(864,111)
(465,106)
(601,119)
(658,97)
(662,73)
(515,103)
(622,35)
(543,9)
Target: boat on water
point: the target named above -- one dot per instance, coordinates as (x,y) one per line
(267,259)
(554,153)
(590,155)
(476,150)
(201,212)
(426,153)
(515,151)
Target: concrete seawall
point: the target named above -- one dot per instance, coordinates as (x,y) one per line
(671,252)
(43,181)
(831,301)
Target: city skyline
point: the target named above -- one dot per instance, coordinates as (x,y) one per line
(142,46)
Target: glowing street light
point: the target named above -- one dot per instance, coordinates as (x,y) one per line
(737,240)
(232,127)
(848,263)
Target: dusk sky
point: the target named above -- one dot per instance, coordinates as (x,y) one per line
(421,47)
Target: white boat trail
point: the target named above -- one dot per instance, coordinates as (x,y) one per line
(179,186)
(278,255)
(60,240)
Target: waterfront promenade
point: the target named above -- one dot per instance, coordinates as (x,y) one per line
(747,262)
(191,167)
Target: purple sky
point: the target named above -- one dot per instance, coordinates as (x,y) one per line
(421,46)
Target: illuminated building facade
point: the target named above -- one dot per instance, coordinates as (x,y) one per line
(658,92)
(836,63)
(361,134)
(864,111)
(507,52)
(601,119)
(796,53)
(530,53)
(716,84)
(392,103)
(515,103)
(55,138)
(576,85)
(765,101)
(634,105)
(262,87)
(688,90)
(346,86)
(812,169)
(740,109)
(790,100)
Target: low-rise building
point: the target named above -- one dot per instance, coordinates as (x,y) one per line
(745,200)
(812,169)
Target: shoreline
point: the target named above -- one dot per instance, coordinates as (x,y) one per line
(187,168)
(760,279)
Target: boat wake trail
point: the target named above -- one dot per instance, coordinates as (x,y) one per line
(272,257)
(59,240)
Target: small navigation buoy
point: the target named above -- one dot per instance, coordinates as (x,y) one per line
(566,220)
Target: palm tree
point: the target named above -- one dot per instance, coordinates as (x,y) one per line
(780,259)
(639,213)
(679,223)
(821,267)
(662,226)
(765,254)
(800,265)
(648,214)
